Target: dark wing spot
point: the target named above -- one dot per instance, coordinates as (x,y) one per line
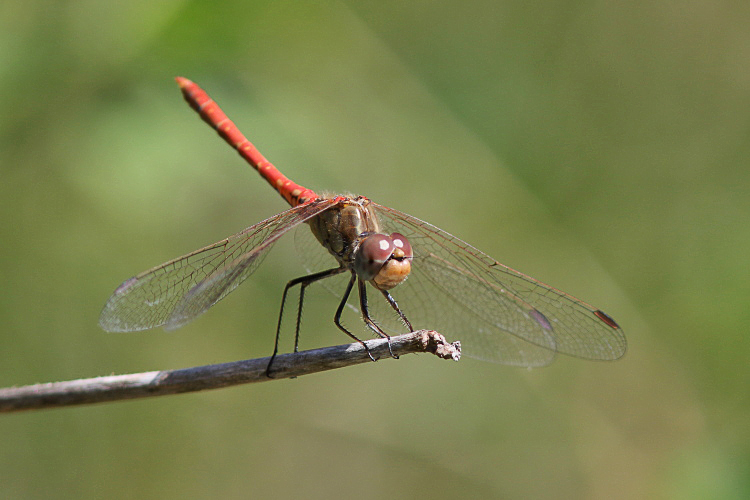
(607,319)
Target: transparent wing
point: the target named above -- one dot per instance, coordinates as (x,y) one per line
(499,314)
(180,290)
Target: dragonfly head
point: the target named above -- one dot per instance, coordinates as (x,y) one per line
(383,260)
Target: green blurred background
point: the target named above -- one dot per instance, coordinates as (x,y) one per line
(600,147)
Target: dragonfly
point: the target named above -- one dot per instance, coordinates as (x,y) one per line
(408,275)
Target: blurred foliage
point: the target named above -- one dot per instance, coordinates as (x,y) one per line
(601,147)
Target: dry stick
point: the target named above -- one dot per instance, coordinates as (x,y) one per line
(161,383)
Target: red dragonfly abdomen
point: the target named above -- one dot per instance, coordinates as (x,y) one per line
(293,193)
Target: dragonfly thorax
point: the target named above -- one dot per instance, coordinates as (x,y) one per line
(340,228)
(350,231)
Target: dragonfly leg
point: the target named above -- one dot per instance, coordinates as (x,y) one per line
(302,288)
(337,317)
(398,310)
(303,281)
(368,319)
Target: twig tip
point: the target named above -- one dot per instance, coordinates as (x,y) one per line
(436,343)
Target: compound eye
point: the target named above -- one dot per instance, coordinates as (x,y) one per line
(400,241)
(373,252)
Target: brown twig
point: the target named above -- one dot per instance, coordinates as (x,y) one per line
(160,383)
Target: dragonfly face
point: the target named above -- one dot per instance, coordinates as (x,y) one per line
(384,261)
